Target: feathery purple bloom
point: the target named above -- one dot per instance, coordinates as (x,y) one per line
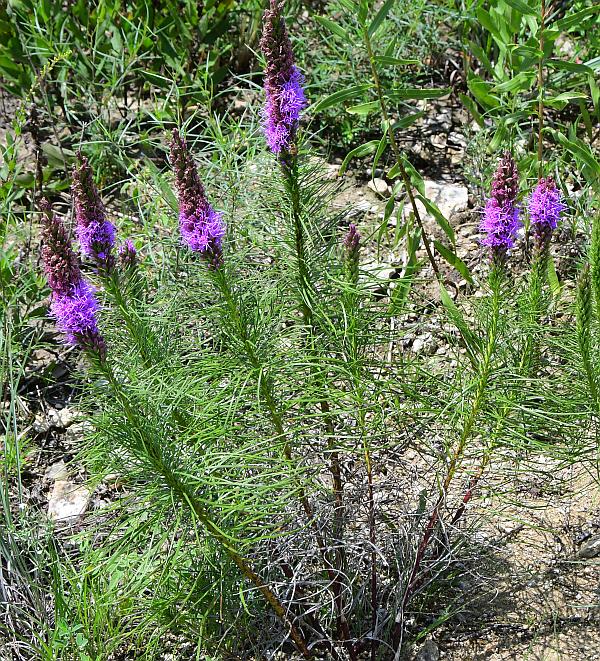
(96,234)
(500,221)
(285,97)
(202,228)
(545,207)
(75,315)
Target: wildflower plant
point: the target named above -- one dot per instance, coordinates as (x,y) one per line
(259,410)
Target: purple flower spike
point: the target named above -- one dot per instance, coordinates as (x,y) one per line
(75,316)
(202,228)
(128,255)
(96,234)
(73,304)
(60,262)
(545,207)
(283,82)
(500,221)
(352,240)
(352,248)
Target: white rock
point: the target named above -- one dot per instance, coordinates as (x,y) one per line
(57,471)
(68,501)
(449,198)
(439,140)
(378,186)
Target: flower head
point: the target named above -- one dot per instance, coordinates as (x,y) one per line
(73,304)
(283,82)
(545,206)
(75,315)
(202,228)
(128,255)
(352,250)
(96,234)
(500,222)
(60,262)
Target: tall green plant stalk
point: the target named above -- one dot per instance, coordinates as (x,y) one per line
(485,368)
(138,330)
(269,399)
(584,315)
(290,169)
(395,148)
(535,308)
(540,80)
(595,265)
(148,450)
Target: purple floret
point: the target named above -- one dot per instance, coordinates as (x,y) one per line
(96,234)
(545,207)
(283,84)
(203,230)
(75,315)
(282,112)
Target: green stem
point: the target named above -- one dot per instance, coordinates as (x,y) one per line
(540,77)
(456,458)
(266,393)
(397,154)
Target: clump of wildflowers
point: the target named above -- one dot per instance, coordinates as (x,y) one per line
(500,221)
(73,304)
(96,234)
(545,207)
(283,82)
(202,228)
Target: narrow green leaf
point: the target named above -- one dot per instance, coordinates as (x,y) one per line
(471,342)
(521,7)
(454,261)
(357,152)
(520,83)
(442,221)
(333,27)
(562,65)
(407,121)
(380,16)
(581,151)
(553,281)
(394,61)
(415,93)
(363,109)
(341,95)
(574,20)
(471,106)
